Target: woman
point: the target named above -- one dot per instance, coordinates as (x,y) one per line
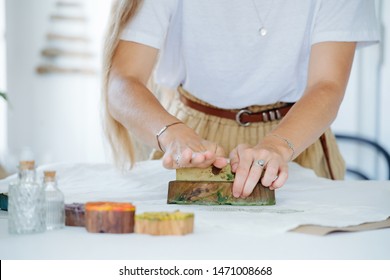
(259,82)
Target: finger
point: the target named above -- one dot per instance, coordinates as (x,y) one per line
(197,158)
(209,150)
(234,156)
(234,159)
(209,155)
(270,173)
(282,178)
(242,172)
(202,160)
(221,162)
(252,179)
(168,161)
(184,159)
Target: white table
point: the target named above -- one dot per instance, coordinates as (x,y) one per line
(221,232)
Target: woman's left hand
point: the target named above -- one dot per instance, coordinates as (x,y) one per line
(250,163)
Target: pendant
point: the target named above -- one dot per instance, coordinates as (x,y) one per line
(263,31)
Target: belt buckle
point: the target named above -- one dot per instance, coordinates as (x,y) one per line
(238,117)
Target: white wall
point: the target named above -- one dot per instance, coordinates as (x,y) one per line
(384,85)
(365,109)
(3,107)
(55,115)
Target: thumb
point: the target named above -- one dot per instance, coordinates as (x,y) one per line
(220,160)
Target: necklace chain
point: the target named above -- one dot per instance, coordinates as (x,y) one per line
(262,30)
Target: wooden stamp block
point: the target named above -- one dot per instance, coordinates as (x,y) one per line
(164,223)
(216,193)
(75,214)
(209,174)
(213,186)
(109,217)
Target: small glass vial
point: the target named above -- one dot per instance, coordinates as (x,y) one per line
(55,205)
(26,202)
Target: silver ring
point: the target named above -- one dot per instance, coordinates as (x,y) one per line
(276,177)
(260,162)
(177,160)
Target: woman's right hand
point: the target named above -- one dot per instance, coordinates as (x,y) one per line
(184,148)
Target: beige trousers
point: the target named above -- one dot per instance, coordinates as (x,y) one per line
(228,133)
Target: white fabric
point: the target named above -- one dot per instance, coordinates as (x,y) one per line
(213,47)
(305,199)
(228,231)
(221,232)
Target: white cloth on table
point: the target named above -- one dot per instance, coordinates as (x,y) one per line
(305,199)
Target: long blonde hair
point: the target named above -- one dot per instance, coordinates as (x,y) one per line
(118,136)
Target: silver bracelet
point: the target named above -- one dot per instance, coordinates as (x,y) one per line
(162,131)
(289,144)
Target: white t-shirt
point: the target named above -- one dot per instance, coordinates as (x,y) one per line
(214,49)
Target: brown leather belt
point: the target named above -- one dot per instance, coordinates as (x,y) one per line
(243,117)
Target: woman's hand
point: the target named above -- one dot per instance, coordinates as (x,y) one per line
(266,160)
(184,148)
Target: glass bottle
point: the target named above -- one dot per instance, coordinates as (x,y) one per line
(55,205)
(26,202)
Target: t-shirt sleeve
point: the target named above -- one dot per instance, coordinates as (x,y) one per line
(150,24)
(346,21)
